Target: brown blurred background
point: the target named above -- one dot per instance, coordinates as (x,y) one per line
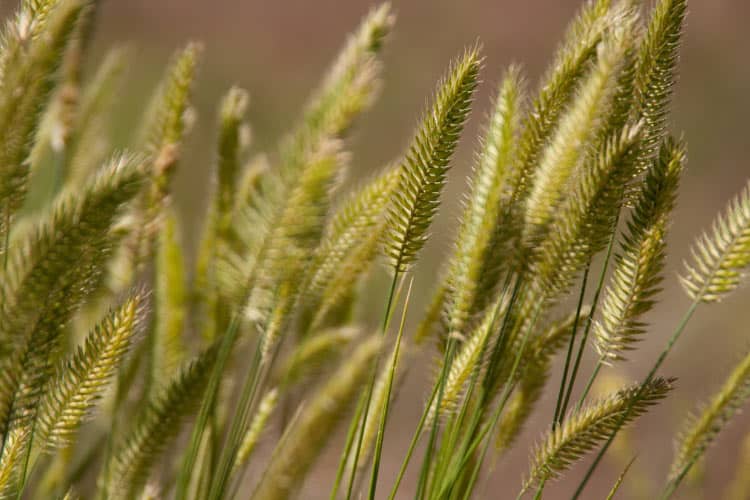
(278,50)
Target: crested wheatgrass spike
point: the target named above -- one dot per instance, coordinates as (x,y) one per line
(231,115)
(348,88)
(82,378)
(638,267)
(296,233)
(582,430)
(584,222)
(471,260)
(155,426)
(218,230)
(171,301)
(702,430)
(423,170)
(578,127)
(304,441)
(558,86)
(167,120)
(257,427)
(655,73)
(719,257)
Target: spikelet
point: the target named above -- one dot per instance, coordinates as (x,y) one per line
(655,74)
(719,257)
(472,260)
(155,427)
(55,132)
(581,125)
(251,222)
(82,378)
(702,430)
(582,430)
(348,246)
(638,267)
(304,441)
(257,427)
(11,460)
(423,170)
(33,46)
(231,113)
(169,120)
(170,293)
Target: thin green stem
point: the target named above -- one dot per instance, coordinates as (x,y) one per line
(495,359)
(559,410)
(386,401)
(488,428)
(590,320)
(449,445)
(540,489)
(254,383)
(672,486)
(413,444)
(589,384)
(670,343)
(621,478)
(445,370)
(371,385)
(206,410)
(347,447)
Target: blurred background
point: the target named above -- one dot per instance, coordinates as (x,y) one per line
(278,50)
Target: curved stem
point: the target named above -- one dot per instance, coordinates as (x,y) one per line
(660,360)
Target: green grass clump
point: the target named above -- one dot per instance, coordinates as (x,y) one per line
(128,371)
